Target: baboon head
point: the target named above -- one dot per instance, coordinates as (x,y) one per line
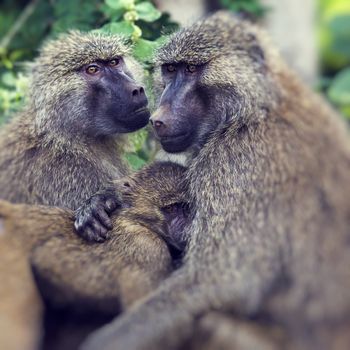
(157,197)
(210,74)
(83,83)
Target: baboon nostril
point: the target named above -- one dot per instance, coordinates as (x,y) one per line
(158,124)
(138,91)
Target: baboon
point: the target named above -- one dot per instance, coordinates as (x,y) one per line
(67,140)
(65,143)
(106,278)
(269,181)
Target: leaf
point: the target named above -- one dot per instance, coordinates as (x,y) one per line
(135,161)
(339,91)
(112,14)
(8,79)
(144,49)
(147,11)
(340,31)
(136,140)
(124,28)
(120,4)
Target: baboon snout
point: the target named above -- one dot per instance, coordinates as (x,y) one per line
(158,120)
(137,95)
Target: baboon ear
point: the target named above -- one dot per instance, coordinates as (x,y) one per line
(257,54)
(124,185)
(246,16)
(127,185)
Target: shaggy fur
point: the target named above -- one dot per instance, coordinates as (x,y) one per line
(102,279)
(45,155)
(270,238)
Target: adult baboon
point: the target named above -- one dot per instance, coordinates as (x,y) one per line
(65,143)
(270,181)
(87,278)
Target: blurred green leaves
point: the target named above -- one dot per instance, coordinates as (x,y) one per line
(334,33)
(339,91)
(254,8)
(129,17)
(12,90)
(124,28)
(147,12)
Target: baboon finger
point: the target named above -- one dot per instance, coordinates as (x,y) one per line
(90,235)
(111,205)
(104,218)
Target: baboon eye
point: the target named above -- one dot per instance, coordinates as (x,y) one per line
(114,62)
(92,69)
(169,208)
(190,68)
(171,68)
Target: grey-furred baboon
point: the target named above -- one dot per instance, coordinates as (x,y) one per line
(65,143)
(107,278)
(269,180)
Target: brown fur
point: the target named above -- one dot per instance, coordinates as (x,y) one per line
(106,277)
(270,237)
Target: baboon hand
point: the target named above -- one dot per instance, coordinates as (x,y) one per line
(92,219)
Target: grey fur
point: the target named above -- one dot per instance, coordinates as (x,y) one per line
(270,238)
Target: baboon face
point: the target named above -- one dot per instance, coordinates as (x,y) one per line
(82,84)
(207,75)
(183,106)
(115,101)
(158,197)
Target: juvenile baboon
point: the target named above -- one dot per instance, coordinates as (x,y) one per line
(269,180)
(64,144)
(106,278)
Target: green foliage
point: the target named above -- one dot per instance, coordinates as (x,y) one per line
(334,34)
(12,88)
(77,14)
(132,18)
(251,7)
(135,154)
(339,91)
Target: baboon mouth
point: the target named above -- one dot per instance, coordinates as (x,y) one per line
(175,143)
(141,116)
(174,138)
(141,111)
(135,120)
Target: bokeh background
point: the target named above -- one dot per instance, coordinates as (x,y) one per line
(312,35)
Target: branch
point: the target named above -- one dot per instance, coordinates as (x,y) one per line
(26,13)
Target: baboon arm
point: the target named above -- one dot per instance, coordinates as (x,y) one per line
(166,319)
(170,318)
